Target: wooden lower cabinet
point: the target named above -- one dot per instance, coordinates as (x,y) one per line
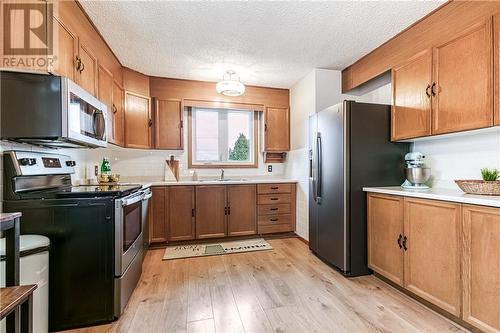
(432,259)
(210,211)
(276,208)
(181,213)
(481,267)
(385,235)
(158,215)
(449,255)
(241,203)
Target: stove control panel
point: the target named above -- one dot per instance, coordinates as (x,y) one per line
(30,163)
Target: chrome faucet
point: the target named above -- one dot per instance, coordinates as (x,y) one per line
(221,174)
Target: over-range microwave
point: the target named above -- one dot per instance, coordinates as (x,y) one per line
(51,111)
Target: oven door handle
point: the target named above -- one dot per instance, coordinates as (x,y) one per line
(132,199)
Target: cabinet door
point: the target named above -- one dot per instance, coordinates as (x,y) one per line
(87,74)
(117,115)
(181,223)
(385,233)
(210,211)
(277,129)
(242,206)
(158,216)
(411,110)
(65,49)
(463,74)
(480,267)
(105,95)
(137,121)
(168,124)
(432,258)
(496,26)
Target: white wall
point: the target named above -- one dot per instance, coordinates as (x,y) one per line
(317,90)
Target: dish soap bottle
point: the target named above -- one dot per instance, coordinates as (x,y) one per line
(105,167)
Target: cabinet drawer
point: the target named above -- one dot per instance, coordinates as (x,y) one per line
(275,219)
(274,209)
(270,229)
(274,188)
(270,199)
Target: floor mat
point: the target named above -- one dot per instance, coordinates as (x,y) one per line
(200,250)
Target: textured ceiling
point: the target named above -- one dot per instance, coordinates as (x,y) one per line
(267,43)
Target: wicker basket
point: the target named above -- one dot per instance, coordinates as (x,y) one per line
(479,186)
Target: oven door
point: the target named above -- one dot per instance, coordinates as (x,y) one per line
(128,230)
(86,116)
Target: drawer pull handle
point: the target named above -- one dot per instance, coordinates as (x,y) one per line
(273,209)
(274,220)
(274,187)
(274,199)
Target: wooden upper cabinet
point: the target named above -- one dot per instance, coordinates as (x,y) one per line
(480,267)
(277,129)
(241,203)
(496,25)
(210,211)
(411,110)
(385,236)
(168,124)
(105,95)
(86,75)
(181,222)
(463,76)
(432,258)
(137,121)
(158,215)
(117,112)
(66,50)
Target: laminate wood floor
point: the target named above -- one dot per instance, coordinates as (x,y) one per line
(284,290)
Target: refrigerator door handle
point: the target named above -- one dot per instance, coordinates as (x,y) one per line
(319,147)
(312,171)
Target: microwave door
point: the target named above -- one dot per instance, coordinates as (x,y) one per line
(86,117)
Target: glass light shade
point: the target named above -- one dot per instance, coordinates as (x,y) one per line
(230,88)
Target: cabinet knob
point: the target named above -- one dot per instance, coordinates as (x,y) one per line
(274,199)
(432,89)
(427,90)
(150,123)
(400,238)
(274,187)
(274,220)
(405,239)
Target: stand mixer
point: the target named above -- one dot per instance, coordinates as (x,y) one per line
(416,172)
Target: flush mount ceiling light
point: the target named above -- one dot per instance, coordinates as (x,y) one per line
(230,85)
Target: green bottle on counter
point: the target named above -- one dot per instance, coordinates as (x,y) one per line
(105,167)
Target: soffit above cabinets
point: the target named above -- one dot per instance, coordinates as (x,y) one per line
(270,44)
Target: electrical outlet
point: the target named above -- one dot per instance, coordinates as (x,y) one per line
(269,168)
(96,170)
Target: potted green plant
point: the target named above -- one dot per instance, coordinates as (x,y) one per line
(490,185)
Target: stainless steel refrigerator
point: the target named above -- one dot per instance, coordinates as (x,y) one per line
(349,148)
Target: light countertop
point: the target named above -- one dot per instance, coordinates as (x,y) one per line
(439,194)
(148,181)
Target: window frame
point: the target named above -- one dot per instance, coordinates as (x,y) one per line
(255,163)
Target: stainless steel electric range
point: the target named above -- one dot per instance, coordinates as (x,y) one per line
(96,235)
